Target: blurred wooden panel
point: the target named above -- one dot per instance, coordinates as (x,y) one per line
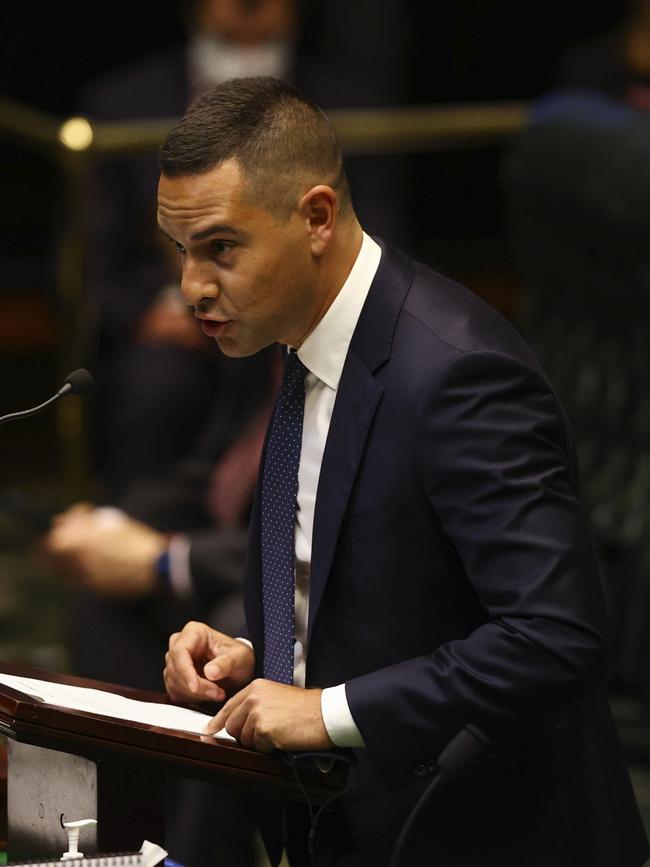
(27,324)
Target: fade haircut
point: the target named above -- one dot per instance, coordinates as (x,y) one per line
(281,140)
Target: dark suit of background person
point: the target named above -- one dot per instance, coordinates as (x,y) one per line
(151,399)
(616,63)
(124,640)
(452,582)
(129,635)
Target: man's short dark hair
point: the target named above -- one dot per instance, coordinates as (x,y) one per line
(282,141)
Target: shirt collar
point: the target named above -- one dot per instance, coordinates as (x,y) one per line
(324,351)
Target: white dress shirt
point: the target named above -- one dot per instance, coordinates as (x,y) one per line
(323,353)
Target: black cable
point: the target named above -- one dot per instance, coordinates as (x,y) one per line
(311,837)
(467,747)
(293,759)
(310,807)
(424,798)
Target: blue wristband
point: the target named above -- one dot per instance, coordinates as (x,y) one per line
(162,568)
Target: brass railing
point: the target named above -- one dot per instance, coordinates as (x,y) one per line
(421,129)
(73,143)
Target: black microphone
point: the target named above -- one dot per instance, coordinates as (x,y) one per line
(462,750)
(77,382)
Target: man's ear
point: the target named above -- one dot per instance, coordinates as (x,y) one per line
(318,208)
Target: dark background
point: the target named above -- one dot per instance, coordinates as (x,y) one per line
(400,51)
(450,49)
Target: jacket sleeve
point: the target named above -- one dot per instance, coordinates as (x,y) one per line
(497,462)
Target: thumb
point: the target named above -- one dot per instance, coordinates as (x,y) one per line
(77,510)
(222,664)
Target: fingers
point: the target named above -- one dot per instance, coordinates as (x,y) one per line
(240,721)
(189,651)
(181,679)
(250,736)
(245,725)
(75,511)
(240,716)
(223,718)
(68,532)
(61,549)
(184,683)
(180,674)
(268,715)
(187,687)
(232,662)
(224,663)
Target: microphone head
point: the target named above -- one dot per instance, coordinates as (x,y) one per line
(79,381)
(469,745)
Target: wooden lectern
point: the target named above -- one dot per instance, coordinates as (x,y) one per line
(67,765)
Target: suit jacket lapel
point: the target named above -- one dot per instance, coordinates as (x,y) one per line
(357,400)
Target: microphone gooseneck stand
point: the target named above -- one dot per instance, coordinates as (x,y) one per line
(77,382)
(465,748)
(462,750)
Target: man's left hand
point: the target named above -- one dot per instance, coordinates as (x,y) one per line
(267,715)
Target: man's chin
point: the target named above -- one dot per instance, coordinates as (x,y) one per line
(236,348)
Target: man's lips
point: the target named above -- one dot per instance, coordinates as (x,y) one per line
(214,327)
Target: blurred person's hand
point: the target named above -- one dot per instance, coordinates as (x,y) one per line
(105,550)
(203,664)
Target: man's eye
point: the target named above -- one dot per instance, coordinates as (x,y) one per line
(221,248)
(179,248)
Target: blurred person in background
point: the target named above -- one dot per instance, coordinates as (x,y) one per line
(173,550)
(171,547)
(156,373)
(617,63)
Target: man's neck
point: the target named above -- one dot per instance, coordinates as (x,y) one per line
(335,267)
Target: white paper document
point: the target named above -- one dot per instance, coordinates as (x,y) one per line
(97,701)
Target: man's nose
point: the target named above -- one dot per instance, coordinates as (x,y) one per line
(196,283)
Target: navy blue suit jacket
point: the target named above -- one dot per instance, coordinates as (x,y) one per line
(453,581)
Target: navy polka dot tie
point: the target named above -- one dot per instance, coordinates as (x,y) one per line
(279,492)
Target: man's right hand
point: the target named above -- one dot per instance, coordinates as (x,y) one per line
(205,665)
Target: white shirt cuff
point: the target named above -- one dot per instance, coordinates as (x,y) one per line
(338,720)
(180,577)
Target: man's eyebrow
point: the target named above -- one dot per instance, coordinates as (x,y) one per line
(204,233)
(214,229)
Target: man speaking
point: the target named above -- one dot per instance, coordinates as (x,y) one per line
(418,559)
